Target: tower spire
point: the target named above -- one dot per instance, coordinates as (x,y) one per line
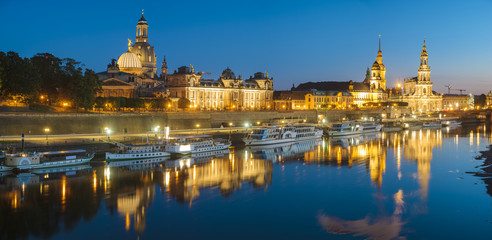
(142,12)
(380,42)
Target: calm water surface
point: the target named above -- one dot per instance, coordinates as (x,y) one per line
(407,185)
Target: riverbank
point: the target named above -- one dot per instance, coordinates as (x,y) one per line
(85,123)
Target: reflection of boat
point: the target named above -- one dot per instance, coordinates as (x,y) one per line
(282,151)
(197,158)
(24,161)
(137,163)
(195,144)
(347,141)
(67,169)
(282,134)
(353,128)
(130,151)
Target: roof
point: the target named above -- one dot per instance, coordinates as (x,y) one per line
(64,152)
(115,82)
(332,86)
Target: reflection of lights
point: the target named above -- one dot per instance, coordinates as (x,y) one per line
(127,221)
(167,178)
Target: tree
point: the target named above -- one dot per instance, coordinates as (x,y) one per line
(183,103)
(17,76)
(481,100)
(49,69)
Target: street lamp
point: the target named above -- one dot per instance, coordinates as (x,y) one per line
(108,132)
(46,132)
(197,126)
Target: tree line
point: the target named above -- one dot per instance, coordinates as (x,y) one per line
(47,79)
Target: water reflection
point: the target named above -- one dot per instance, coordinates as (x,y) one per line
(382,228)
(43,203)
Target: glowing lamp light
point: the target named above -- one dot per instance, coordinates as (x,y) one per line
(46,130)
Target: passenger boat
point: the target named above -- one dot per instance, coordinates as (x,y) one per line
(391,127)
(433,124)
(26,161)
(130,151)
(411,125)
(282,134)
(352,128)
(451,123)
(195,144)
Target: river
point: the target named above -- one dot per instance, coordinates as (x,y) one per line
(406,185)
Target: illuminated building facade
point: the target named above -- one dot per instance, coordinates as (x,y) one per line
(457,102)
(371,90)
(418,90)
(136,67)
(227,93)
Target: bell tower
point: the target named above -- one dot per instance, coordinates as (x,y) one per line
(424,69)
(142,29)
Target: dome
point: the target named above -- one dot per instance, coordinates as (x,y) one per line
(375,66)
(228,74)
(129,60)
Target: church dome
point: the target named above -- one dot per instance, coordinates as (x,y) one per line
(228,74)
(129,60)
(375,66)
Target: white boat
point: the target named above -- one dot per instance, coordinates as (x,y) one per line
(195,144)
(435,124)
(130,151)
(26,161)
(353,128)
(4,168)
(282,134)
(451,123)
(411,125)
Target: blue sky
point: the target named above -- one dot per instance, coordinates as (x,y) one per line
(295,41)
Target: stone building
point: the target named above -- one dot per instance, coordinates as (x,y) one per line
(227,93)
(136,67)
(371,90)
(418,90)
(457,102)
(289,100)
(329,100)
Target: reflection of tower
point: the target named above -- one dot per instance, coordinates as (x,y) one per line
(135,203)
(419,147)
(227,173)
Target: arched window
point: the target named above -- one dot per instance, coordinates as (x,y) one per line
(425,91)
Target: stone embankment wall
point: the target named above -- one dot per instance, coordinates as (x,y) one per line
(68,123)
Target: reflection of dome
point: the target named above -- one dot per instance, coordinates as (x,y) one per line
(228,74)
(129,60)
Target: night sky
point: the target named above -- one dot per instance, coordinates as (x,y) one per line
(295,41)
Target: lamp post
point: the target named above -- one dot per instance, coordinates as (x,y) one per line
(108,132)
(156,130)
(46,132)
(197,126)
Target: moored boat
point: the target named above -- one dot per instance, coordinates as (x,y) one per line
(130,151)
(353,128)
(282,134)
(451,123)
(195,144)
(26,161)
(432,124)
